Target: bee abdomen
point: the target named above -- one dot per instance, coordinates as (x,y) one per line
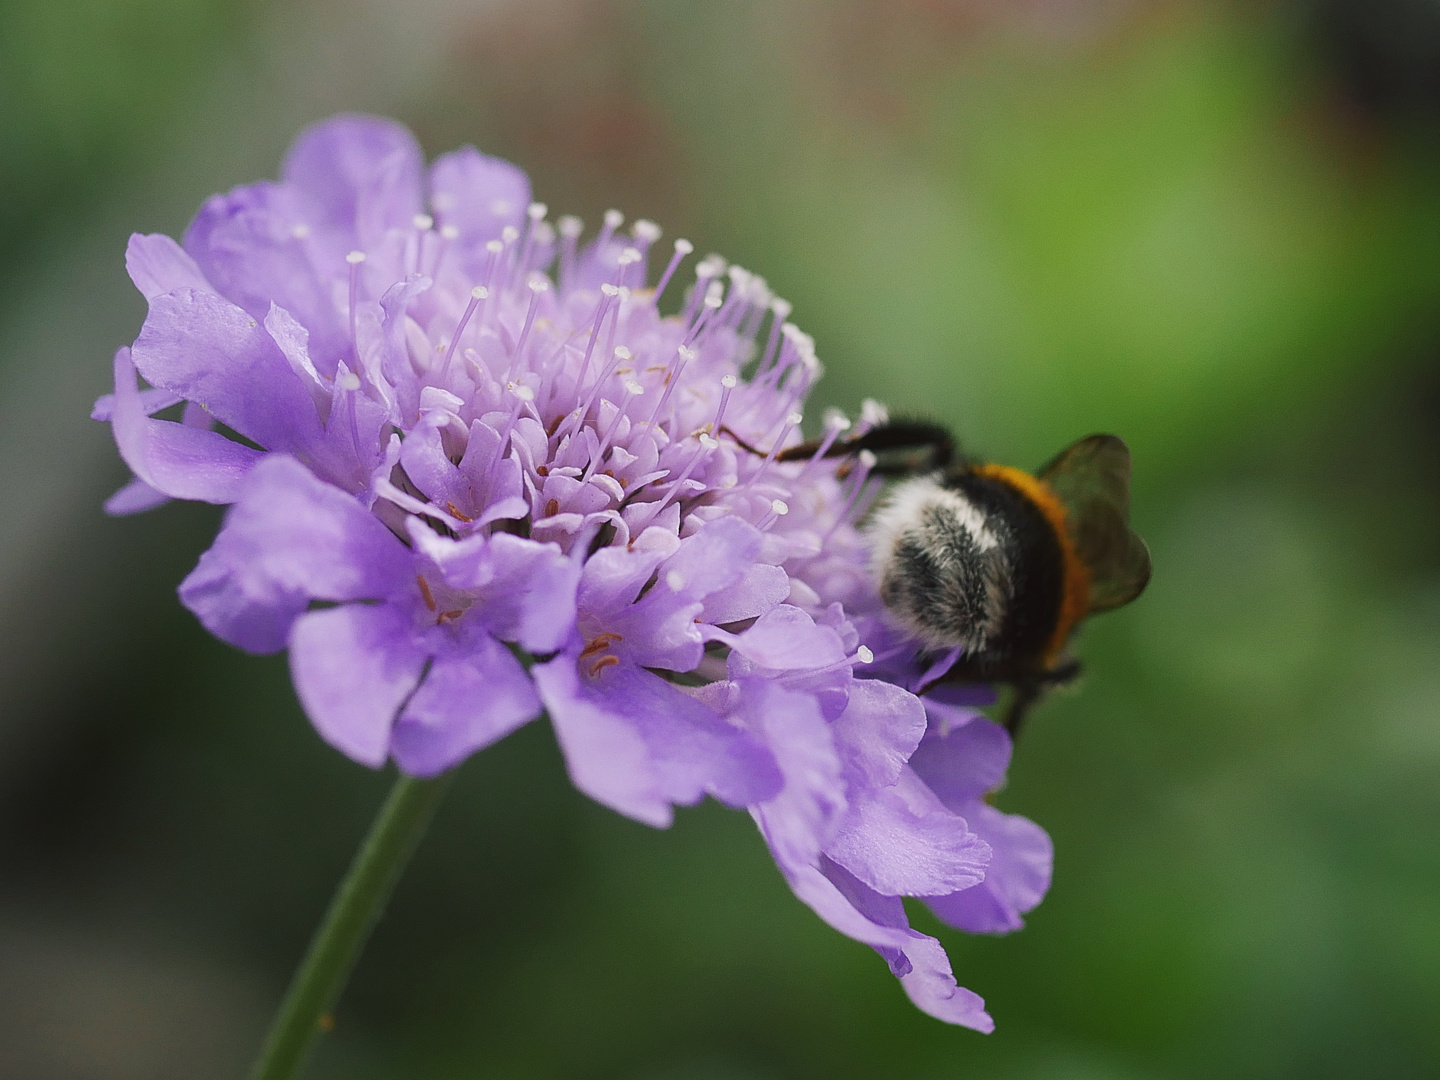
(968,562)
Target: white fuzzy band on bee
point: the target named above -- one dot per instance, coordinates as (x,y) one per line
(942,565)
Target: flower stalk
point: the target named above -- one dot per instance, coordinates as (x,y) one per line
(354,911)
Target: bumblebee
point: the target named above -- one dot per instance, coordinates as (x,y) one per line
(1003,563)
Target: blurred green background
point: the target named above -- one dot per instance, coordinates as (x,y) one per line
(1212,228)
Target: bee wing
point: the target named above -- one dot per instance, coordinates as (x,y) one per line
(1092,480)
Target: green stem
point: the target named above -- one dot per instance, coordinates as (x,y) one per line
(353,913)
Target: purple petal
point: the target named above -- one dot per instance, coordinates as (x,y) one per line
(353,668)
(660,631)
(785,638)
(919,961)
(158,265)
(800,820)
(363,172)
(961,766)
(293,341)
(430,469)
(209,351)
(478,195)
(178,460)
(901,842)
(475,693)
(527,589)
(290,539)
(151,402)
(606,757)
(246,245)
(613,578)
(1015,881)
(761,588)
(714,558)
(878,731)
(695,752)
(134,498)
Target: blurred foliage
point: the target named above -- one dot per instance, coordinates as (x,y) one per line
(86,88)
(1157,219)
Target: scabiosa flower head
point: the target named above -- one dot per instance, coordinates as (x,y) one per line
(475,474)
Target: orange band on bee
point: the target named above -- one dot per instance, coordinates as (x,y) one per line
(1075,588)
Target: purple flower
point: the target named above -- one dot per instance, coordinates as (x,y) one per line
(474,475)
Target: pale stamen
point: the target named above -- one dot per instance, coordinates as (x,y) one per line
(672,378)
(727,385)
(613,220)
(537,286)
(713,299)
(792,421)
(862,474)
(706,445)
(682,248)
(570,229)
(632,390)
(778,509)
(478,295)
(835,423)
(781,311)
(355,258)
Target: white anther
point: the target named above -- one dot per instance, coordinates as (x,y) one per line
(521,391)
(872,413)
(536,211)
(614,219)
(865,655)
(794,419)
(609,290)
(686,353)
(500,207)
(646,231)
(544,234)
(708,443)
(494,247)
(782,309)
(355,258)
(684,247)
(571,226)
(509,234)
(449,232)
(479,292)
(779,507)
(729,382)
(714,294)
(633,387)
(348,381)
(624,292)
(538,283)
(675,580)
(867,459)
(622,353)
(628,256)
(300,232)
(423,222)
(835,420)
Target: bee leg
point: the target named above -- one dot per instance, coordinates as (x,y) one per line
(1032,688)
(1027,694)
(889,441)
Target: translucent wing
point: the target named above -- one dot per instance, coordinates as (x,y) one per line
(1092,479)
